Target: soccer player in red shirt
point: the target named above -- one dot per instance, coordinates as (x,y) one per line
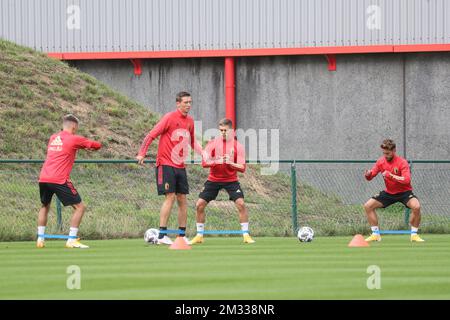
(397,177)
(55,178)
(225,157)
(177,134)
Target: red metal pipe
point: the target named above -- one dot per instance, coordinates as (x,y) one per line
(230,87)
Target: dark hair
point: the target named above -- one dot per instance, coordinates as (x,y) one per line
(226,122)
(388,144)
(181,95)
(71,118)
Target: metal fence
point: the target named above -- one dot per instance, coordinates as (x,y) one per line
(122,200)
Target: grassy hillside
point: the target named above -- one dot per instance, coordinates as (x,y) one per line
(36,91)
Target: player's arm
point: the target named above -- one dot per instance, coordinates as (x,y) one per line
(405,178)
(85,143)
(194,143)
(208,159)
(159,129)
(239,162)
(372,173)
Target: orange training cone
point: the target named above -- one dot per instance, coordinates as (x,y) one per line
(358,241)
(180,244)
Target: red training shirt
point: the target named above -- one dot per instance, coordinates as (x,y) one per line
(222,172)
(61,152)
(177,133)
(397,166)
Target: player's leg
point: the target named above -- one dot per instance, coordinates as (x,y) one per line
(46,194)
(414,204)
(69,196)
(369,207)
(200,207)
(237,195)
(78,212)
(166,185)
(164,215)
(200,219)
(42,223)
(182,190)
(243,220)
(209,192)
(182,215)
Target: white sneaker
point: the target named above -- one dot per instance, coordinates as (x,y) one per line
(165,240)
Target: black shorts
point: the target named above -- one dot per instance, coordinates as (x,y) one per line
(170,179)
(388,199)
(65,192)
(211,190)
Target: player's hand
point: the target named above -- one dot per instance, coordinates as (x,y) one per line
(386,174)
(368,173)
(140,160)
(226,159)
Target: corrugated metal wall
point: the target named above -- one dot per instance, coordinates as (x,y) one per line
(155,25)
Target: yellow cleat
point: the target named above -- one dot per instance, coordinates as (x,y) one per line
(40,243)
(76,244)
(197,239)
(373,237)
(248,239)
(416,238)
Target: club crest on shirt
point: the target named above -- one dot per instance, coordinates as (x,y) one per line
(396,170)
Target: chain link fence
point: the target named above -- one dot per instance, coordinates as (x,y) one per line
(122,199)
(331,194)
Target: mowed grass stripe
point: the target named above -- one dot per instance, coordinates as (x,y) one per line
(225,268)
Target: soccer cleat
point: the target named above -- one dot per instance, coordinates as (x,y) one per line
(197,239)
(76,244)
(40,243)
(373,237)
(416,238)
(248,239)
(165,240)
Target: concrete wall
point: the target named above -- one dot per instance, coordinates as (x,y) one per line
(428,105)
(320,114)
(162,79)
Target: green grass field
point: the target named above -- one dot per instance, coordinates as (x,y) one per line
(224,268)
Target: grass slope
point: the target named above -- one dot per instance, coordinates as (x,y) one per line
(36,91)
(224,268)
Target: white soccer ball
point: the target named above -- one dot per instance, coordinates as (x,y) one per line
(151,236)
(305,234)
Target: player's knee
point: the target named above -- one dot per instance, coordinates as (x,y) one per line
(181,198)
(80,206)
(367,206)
(415,206)
(240,204)
(201,204)
(170,197)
